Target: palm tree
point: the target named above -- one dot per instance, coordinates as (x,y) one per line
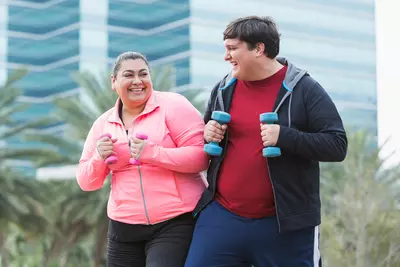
(20,198)
(9,107)
(360,223)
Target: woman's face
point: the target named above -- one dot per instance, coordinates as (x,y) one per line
(132,82)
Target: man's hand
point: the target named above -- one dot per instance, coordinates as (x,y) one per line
(214,132)
(270,134)
(136,146)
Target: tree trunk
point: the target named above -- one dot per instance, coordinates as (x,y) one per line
(63,259)
(3,252)
(100,245)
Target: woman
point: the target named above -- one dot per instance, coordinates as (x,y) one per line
(150,202)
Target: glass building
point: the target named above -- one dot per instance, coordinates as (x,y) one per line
(334,40)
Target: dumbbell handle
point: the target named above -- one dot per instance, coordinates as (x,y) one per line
(270,118)
(110,159)
(141,136)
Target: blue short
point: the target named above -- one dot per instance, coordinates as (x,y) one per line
(224,239)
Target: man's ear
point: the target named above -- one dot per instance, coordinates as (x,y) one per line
(260,48)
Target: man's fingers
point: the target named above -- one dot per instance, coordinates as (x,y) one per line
(215,124)
(215,134)
(218,130)
(216,140)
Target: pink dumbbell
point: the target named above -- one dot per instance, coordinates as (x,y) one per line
(110,159)
(143,137)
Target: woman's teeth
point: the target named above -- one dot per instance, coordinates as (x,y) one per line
(136,90)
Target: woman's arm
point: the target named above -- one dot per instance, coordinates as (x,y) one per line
(92,170)
(186,128)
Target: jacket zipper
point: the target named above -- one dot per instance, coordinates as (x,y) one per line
(144,199)
(273,191)
(141,183)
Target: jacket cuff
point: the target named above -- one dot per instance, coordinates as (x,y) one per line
(287,139)
(148,152)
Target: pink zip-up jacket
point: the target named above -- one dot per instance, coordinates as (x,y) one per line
(169,182)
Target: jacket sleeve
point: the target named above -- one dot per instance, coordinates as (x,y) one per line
(92,170)
(210,102)
(186,128)
(326,139)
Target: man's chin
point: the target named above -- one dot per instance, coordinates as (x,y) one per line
(235,73)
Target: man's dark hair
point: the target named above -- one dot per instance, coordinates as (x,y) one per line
(253,30)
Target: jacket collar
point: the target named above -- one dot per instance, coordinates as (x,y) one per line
(151,105)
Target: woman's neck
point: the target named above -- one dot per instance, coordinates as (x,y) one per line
(132,111)
(129,114)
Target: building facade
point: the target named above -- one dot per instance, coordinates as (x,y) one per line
(333,40)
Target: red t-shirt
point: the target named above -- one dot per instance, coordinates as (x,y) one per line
(244,186)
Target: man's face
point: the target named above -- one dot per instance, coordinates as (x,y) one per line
(241,58)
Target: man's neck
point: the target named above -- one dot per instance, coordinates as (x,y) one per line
(266,69)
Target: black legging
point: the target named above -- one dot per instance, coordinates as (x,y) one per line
(162,245)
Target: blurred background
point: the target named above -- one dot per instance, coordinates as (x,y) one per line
(55,60)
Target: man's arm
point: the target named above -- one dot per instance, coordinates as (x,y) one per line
(326,140)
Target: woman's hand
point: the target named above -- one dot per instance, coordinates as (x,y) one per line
(104,147)
(137,146)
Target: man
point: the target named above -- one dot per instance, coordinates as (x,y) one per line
(255,211)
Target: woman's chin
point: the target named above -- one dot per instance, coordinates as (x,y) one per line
(137,98)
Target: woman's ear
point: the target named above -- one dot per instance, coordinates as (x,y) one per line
(112,82)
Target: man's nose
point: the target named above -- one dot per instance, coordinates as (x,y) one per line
(227,56)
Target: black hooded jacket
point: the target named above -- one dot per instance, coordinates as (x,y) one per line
(311,131)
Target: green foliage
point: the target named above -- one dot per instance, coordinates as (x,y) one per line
(20,198)
(361,211)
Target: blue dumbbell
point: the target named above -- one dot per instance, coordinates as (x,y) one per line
(270,118)
(212,148)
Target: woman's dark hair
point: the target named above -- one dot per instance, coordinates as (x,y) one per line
(127,56)
(253,30)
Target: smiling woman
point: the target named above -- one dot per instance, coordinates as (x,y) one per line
(156,141)
(131,79)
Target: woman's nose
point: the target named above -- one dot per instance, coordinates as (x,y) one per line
(136,80)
